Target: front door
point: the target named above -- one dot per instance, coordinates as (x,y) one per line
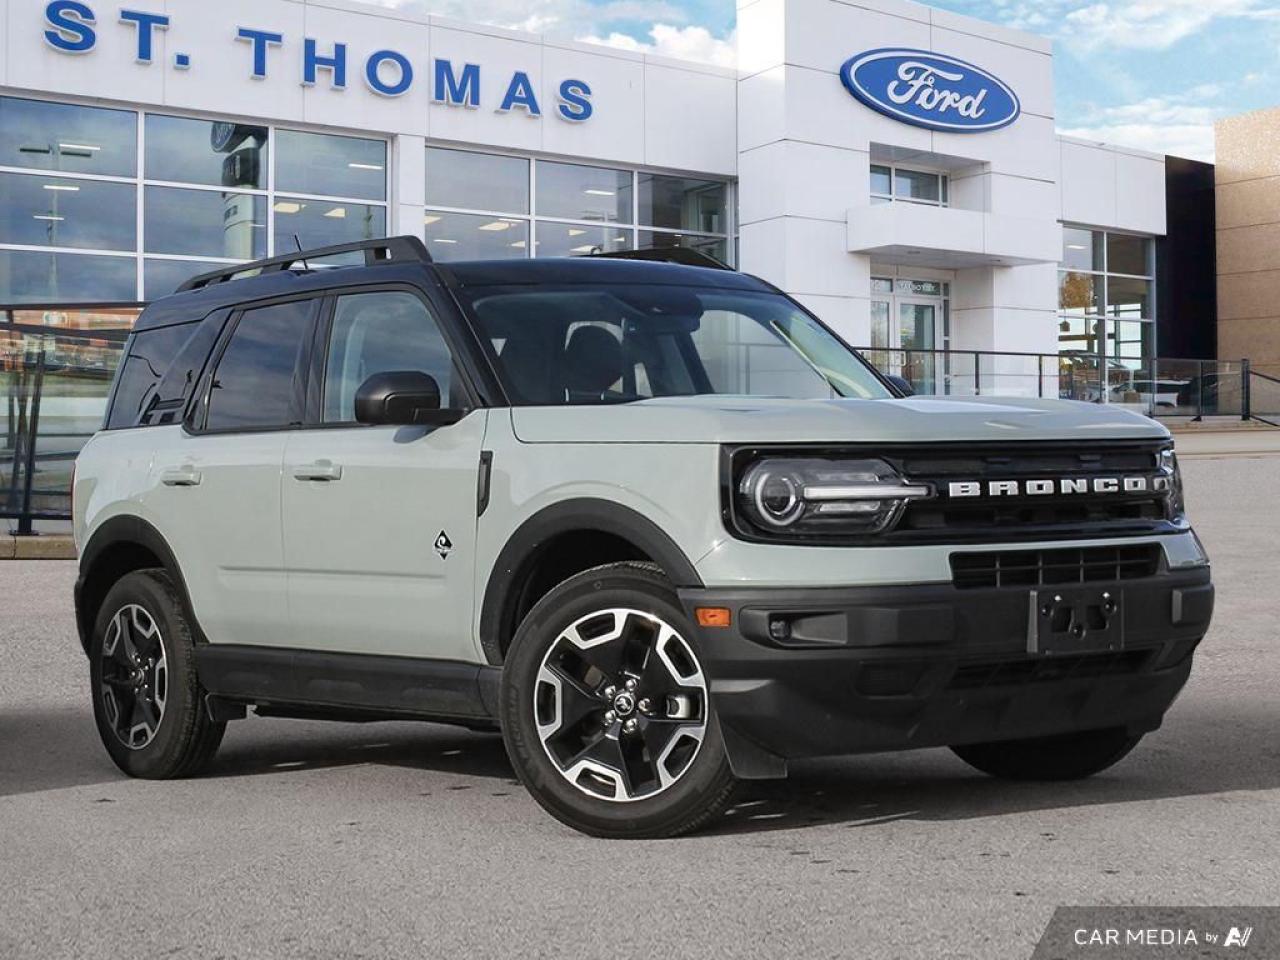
(380,521)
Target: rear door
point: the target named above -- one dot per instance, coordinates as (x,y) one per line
(216,486)
(380,521)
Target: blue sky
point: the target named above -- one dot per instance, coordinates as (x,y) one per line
(1153,74)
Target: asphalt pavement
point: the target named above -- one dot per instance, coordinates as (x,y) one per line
(314,840)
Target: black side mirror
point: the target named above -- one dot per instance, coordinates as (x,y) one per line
(402,397)
(901,384)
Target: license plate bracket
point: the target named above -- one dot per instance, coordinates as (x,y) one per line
(1067,620)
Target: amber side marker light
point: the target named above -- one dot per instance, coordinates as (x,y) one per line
(713,616)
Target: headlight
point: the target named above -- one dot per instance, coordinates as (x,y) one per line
(815,498)
(1169,466)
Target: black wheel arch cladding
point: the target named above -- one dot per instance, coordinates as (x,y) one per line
(528,544)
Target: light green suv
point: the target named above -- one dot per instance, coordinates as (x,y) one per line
(651,520)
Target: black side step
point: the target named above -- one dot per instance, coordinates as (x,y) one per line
(378,685)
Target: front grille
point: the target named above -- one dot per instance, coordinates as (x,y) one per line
(1058,567)
(1007,673)
(943,519)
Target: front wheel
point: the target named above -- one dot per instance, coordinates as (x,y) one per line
(1072,756)
(605,708)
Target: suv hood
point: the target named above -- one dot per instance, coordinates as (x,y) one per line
(729,419)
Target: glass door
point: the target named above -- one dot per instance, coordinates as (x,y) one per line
(881,355)
(915,335)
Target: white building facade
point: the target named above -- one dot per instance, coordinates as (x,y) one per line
(893,166)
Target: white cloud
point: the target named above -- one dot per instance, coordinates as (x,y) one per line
(683,43)
(1181,124)
(1090,25)
(560,18)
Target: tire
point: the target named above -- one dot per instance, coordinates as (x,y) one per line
(1072,756)
(149,710)
(632,762)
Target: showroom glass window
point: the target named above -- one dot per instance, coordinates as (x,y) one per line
(68,195)
(103,205)
(493,206)
(1106,297)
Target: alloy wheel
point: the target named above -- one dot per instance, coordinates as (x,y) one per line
(620,704)
(135,676)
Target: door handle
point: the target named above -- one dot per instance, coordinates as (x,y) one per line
(181,477)
(320,470)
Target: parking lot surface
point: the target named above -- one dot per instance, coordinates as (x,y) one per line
(412,840)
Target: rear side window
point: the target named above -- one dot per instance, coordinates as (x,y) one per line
(149,354)
(258,383)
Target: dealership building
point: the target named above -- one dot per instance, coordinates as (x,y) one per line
(893,166)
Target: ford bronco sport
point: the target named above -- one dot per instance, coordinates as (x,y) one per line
(651,520)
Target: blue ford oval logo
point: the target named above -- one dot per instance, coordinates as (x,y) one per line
(930,90)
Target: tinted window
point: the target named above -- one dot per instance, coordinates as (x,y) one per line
(60,136)
(144,365)
(258,380)
(465,236)
(319,164)
(202,151)
(30,277)
(477,181)
(205,223)
(376,333)
(58,212)
(322,223)
(584,193)
(682,204)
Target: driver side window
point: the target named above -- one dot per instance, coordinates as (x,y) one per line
(377,333)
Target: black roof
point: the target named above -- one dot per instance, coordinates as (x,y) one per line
(197,303)
(491,273)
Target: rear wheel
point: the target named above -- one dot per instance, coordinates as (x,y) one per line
(147,701)
(1070,756)
(605,708)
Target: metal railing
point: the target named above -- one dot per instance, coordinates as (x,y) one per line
(54,382)
(1161,387)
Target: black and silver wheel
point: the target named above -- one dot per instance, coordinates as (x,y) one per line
(1071,756)
(147,701)
(134,676)
(606,711)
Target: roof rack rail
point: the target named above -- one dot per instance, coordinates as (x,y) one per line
(681,255)
(384,250)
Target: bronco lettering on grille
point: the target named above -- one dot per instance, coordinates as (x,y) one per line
(1061,486)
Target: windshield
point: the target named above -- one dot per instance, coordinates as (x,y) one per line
(615,344)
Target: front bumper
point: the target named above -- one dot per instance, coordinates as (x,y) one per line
(863,669)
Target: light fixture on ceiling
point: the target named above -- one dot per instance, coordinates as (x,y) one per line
(519,244)
(429,219)
(585,248)
(575,232)
(62,187)
(1076,246)
(47,216)
(495,225)
(79,146)
(287,206)
(442,240)
(364,166)
(337,213)
(593,192)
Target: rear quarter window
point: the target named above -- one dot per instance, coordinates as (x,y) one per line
(147,357)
